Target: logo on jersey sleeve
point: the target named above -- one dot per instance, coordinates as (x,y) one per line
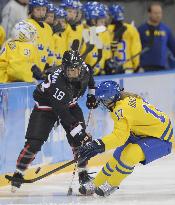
(12,45)
(58,56)
(43,59)
(40,47)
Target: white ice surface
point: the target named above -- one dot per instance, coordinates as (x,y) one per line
(148,185)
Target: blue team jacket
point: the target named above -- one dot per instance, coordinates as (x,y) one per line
(163,40)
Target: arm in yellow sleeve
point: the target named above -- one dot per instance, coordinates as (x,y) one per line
(136,47)
(3,65)
(119,135)
(2,35)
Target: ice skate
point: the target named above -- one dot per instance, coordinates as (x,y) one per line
(84,177)
(105,189)
(87,188)
(16,181)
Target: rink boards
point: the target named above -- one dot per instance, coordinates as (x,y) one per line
(16,104)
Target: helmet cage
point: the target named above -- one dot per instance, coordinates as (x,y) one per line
(72,65)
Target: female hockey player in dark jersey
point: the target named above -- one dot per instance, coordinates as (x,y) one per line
(56,98)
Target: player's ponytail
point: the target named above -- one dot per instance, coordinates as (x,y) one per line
(129,94)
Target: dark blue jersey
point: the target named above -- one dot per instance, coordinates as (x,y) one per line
(159,39)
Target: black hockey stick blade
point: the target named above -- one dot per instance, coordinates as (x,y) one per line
(89,48)
(75,45)
(100,51)
(10,178)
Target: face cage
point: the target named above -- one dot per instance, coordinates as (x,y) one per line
(105,105)
(73,78)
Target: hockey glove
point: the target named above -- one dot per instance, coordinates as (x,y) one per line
(50,70)
(112,67)
(37,74)
(79,136)
(91,102)
(91,149)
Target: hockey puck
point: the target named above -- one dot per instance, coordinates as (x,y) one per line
(37,170)
(70,191)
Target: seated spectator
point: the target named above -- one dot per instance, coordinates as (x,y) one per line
(158,38)
(13,12)
(18,58)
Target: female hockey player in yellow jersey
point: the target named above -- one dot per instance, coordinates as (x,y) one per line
(141,134)
(18,57)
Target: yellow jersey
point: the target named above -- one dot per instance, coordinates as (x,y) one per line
(129,46)
(60,46)
(2,36)
(44,43)
(16,61)
(74,34)
(136,116)
(91,58)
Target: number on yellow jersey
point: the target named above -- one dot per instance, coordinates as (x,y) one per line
(121,51)
(156,113)
(119,114)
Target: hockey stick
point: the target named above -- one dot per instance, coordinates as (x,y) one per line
(89,48)
(99,57)
(75,45)
(92,40)
(10,178)
(118,66)
(70,190)
(88,41)
(134,56)
(97,42)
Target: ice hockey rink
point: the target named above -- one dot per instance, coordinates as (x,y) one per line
(151,184)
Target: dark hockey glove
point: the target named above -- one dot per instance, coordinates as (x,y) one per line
(112,67)
(90,149)
(80,137)
(91,102)
(37,74)
(50,70)
(109,67)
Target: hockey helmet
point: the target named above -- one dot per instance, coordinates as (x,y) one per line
(37,3)
(73,65)
(117,12)
(51,8)
(60,12)
(73,4)
(24,32)
(107,93)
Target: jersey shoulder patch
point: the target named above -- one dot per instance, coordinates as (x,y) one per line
(12,45)
(132,102)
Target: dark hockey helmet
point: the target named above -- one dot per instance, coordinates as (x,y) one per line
(73,65)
